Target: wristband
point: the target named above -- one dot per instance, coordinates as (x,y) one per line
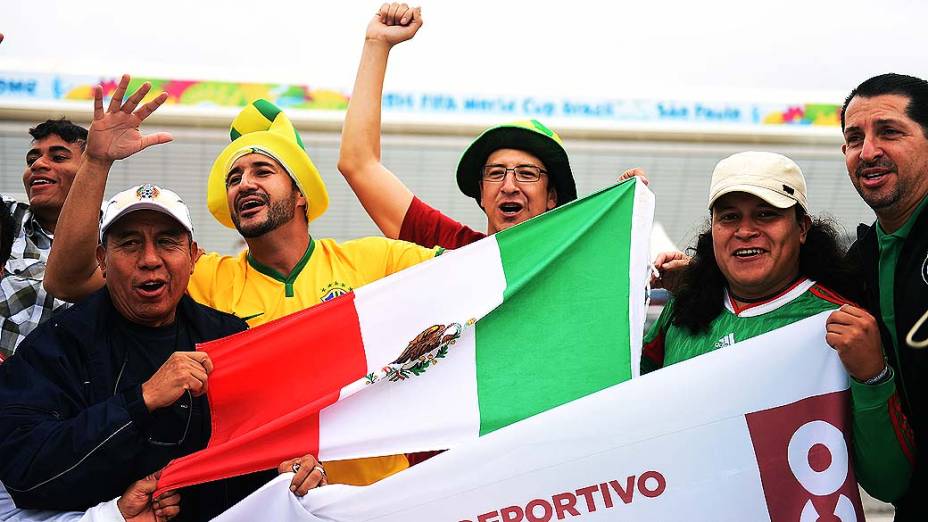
(879,378)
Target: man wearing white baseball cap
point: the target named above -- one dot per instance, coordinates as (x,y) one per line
(764,263)
(146,197)
(110,390)
(774,178)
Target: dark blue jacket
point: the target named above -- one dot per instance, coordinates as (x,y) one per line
(68,438)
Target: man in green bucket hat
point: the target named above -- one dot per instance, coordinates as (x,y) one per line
(514,171)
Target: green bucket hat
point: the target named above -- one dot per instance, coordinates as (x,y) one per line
(528,135)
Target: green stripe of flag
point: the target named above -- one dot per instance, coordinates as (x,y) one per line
(544,346)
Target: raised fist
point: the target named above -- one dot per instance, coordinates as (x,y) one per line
(394,23)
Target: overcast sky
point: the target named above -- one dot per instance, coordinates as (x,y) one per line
(735,50)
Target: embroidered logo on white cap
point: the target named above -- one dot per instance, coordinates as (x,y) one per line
(145,197)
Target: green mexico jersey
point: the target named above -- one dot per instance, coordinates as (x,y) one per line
(666,344)
(883,440)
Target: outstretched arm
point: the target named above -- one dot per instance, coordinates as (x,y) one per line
(383,195)
(72,272)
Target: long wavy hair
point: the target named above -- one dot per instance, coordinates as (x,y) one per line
(698,296)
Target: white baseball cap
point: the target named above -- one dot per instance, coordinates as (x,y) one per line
(145,197)
(773,178)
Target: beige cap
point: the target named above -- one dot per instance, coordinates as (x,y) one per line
(773,178)
(145,197)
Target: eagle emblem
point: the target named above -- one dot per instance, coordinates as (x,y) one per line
(431,338)
(422,352)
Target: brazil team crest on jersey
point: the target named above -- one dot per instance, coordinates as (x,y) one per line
(333,290)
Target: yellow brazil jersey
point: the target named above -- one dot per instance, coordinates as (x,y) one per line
(242,286)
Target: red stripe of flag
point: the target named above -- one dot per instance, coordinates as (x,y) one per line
(267,388)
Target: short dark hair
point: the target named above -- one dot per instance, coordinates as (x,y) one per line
(7,233)
(915,89)
(63,128)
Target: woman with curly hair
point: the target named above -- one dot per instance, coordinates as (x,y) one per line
(765,263)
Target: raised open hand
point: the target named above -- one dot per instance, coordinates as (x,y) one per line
(114,133)
(394,23)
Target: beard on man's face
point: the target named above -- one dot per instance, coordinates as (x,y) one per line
(279,213)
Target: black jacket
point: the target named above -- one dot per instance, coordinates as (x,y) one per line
(910,298)
(69,439)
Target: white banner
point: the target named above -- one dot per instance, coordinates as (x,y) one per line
(750,432)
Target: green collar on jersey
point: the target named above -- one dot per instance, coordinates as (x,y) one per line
(286,280)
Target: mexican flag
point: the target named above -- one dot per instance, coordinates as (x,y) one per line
(442,353)
(757,431)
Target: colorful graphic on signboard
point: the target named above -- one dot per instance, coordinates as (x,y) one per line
(197,93)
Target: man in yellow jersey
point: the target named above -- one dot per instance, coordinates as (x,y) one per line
(264,185)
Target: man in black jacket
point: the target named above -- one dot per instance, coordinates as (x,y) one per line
(885,125)
(109,390)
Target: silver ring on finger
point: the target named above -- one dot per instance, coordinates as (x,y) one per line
(295,467)
(321,469)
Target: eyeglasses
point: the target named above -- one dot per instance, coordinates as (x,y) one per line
(522,173)
(188,405)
